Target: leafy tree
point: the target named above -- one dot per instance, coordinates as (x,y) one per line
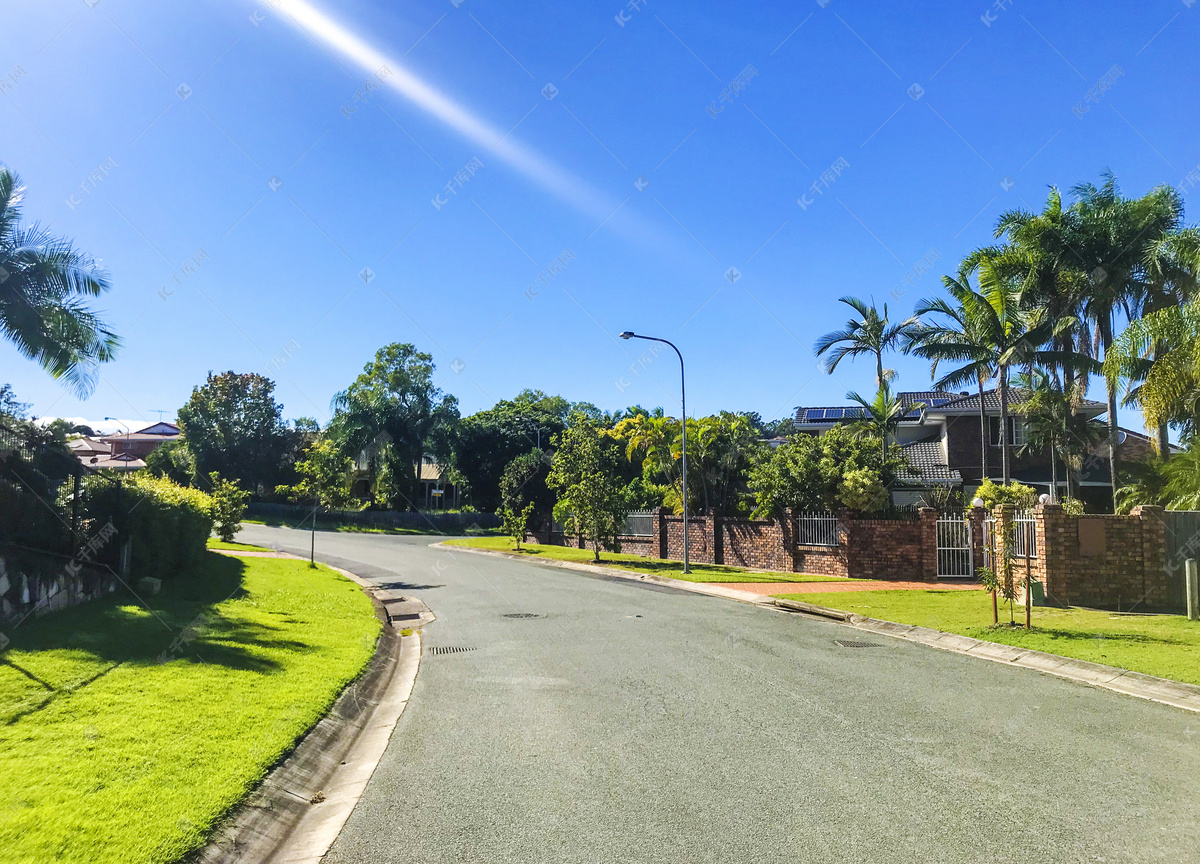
(228,506)
(590,493)
(173,460)
(45,284)
(395,406)
(488,441)
(515,522)
(807,472)
(326,476)
(1018,494)
(871,333)
(10,404)
(66,430)
(882,415)
(234,426)
(524,482)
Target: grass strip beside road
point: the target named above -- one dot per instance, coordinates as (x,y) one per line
(214,543)
(1167,646)
(640,564)
(126,733)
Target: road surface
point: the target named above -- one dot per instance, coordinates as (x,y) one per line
(635,723)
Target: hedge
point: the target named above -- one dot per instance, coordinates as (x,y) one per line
(169,523)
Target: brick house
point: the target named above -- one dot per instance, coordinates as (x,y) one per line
(943,444)
(123,451)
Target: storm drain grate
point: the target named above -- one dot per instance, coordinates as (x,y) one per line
(449,649)
(523,615)
(851,643)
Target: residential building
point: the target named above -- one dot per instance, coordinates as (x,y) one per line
(123,451)
(944,446)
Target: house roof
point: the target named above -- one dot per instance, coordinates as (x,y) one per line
(926,457)
(935,402)
(991,402)
(841,413)
(160,428)
(113,463)
(80,446)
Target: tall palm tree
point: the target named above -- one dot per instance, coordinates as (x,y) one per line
(44,286)
(1047,413)
(883,414)
(1003,334)
(1114,235)
(947,338)
(871,333)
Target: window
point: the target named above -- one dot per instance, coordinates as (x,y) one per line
(1016,431)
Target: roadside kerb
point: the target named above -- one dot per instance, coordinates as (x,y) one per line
(1163,690)
(298,810)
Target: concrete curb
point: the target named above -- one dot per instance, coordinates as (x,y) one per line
(1161,690)
(298,810)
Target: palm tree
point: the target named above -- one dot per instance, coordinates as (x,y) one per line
(871,333)
(883,414)
(1003,334)
(1047,411)
(44,284)
(947,339)
(1114,236)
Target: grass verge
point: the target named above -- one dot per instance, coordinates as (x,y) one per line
(1167,646)
(127,732)
(639,564)
(214,543)
(305,525)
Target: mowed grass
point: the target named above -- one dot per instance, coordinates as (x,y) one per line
(126,732)
(639,564)
(214,543)
(1164,645)
(352,528)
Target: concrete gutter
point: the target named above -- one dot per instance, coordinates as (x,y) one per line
(1162,690)
(300,807)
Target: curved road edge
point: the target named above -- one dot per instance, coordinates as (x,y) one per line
(298,810)
(1162,690)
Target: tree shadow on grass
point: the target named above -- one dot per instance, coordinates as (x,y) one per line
(181,623)
(1115,637)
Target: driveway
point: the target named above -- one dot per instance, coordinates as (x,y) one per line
(629,722)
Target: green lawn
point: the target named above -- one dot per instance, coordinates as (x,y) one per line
(306,525)
(124,736)
(214,543)
(1164,645)
(657,566)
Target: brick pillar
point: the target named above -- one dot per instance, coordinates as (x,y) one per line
(929,544)
(661,524)
(718,535)
(1154,555)
(1049,521)
(846,545)
(975,517)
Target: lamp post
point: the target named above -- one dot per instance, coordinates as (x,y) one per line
(629,334)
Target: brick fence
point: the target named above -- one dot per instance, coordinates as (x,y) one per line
(1117,562)
(893,549)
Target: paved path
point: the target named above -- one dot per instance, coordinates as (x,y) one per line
(830,587)
(637,723)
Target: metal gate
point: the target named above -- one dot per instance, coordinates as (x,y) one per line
(1183,542)
(955,551)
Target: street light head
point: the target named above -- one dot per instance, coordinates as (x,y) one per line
(628,334)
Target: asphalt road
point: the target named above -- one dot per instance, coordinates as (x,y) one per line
(635,723)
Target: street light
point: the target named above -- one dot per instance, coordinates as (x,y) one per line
(629,334)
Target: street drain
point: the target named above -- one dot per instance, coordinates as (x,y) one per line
(850,643)
(449,649)
(523,615)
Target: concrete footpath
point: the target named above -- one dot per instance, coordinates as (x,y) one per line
(1162,690)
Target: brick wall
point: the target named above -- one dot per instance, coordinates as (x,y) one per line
(878,549)
(1102,560)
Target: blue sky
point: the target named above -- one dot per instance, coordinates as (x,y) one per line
(267,199)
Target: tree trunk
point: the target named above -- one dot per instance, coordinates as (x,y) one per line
(1164,442)
(878,370)
(983,432)
(1111,392)
(1005,471)
(1053,476)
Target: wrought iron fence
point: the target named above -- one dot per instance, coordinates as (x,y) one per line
(816,529)
(640,523)
(1025,535)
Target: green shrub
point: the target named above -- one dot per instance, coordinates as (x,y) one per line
(1072,506)
(1018,494)
(861,490)
(228,506)
(168,523)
